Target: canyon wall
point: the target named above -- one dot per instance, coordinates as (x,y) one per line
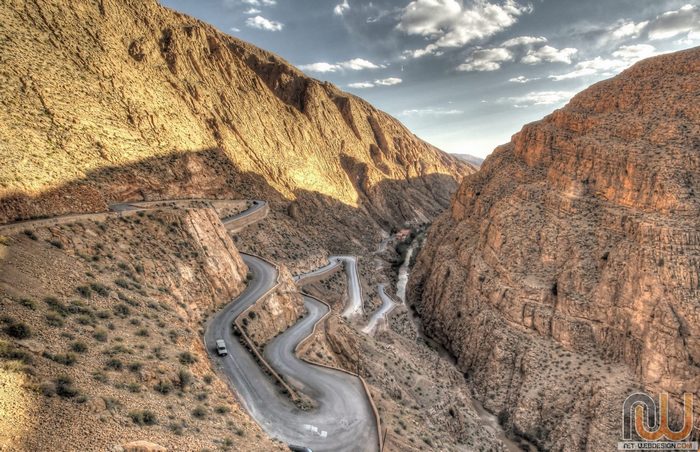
(115,100)
(566,272)
(273,314)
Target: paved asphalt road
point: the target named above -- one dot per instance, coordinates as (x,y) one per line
(341,421)
(386,307)
(138,205)
(320,272)
(354,303)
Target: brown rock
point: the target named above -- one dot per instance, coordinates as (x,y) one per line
(143,446)
(580,236)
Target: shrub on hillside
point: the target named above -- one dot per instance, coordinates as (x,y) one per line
(27,303)
(64,387)
(164,387)
(54,319)
(199,412)
(144,417)
(187,358)
(67,359)
(18,330)
(79,347)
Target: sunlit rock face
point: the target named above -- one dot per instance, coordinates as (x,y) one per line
(582,234)
(92,89)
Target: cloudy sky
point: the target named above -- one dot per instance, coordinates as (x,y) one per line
(462,74)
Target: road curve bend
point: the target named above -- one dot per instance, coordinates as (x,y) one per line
(342,420)
(382,312)
(354,305)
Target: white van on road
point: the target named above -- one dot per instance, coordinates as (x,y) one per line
(221,347)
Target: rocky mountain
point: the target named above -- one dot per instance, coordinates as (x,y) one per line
(471,159)
(567,271)
(126,100)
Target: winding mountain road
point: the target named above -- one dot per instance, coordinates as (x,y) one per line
(342,420)
(387,305)
(354,303)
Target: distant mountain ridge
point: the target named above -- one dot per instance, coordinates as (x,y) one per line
(471,159)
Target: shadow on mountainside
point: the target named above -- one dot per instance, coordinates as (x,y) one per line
(211,174)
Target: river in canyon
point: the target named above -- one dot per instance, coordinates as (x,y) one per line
(487,419)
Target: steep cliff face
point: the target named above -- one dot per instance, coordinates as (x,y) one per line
(579,239)
(275,313)
(113,100)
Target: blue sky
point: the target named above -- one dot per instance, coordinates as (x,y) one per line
(463,75)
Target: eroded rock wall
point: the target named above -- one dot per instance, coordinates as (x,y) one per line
(580,236)
(123,100)
(275,313)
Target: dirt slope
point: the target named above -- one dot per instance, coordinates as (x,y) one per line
(101,343)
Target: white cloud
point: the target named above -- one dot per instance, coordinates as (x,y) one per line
(361,85)
(341,8)
(549,54)
(541,98)
(524,41)
(622,58)
(235,30)
(627,29)
(235,4)
(597,65)
(664,26)
(252,11)
(260,2)
(690,39)
(388,81)
(633,53)
(319,67)
(522,79)
(356,64)
(429,17)
(685,20)
(486,60)
(673,23)
(450,23)
(380,82)
(421,112)
(430,49)
(262,23)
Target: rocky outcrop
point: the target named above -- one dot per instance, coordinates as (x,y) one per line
(143,446)
(275,313)
(577,242)
(171,107)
